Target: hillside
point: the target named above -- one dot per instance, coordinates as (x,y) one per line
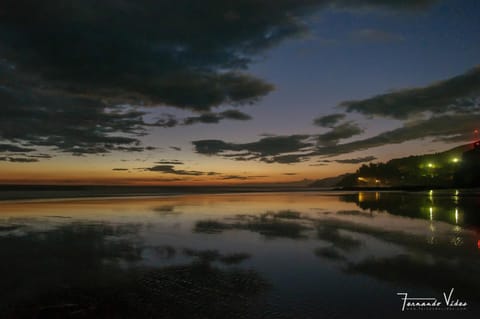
(443,169)
(329,181)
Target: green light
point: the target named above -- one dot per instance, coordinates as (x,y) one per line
(455,160)
(431,165)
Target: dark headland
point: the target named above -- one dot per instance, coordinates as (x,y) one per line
(455,168)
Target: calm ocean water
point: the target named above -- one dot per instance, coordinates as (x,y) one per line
(256,255)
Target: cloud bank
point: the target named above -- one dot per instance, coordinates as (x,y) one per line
(458,94)
(68,68)
(450,111)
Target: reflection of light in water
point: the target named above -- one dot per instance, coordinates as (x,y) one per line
(457,241)
(478,244)
(432,227)
(377,196)
(430,195)
(360,197)
(455,197)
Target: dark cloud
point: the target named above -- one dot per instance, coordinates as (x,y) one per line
(447,128)
(227,177)
(169,162)
(356,160)
(170,169)
(451,128)
(153,180)
(277,149)
(267,149)
(14,148)
(167,121)
(384,4)
(119,169)
(65,65)
(235,115)
(67,123)
(341,131)
(286,159)
(329,120)
(375,36)
(18,159)
(176,148)
(241,177)
(210,117)
(457,94)
(290,174)
(149,51)
(19,154)
(207,118)
(38,155)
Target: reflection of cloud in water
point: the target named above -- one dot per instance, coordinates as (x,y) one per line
(354,247)
(137,266)
(329,252)
(442,247)
(437,265)
(211,226)
(94,270)
(8,228)
(270,225)
(285,214)
(338,239)
(57,216)
(164,251)
(215,255)
(165,210)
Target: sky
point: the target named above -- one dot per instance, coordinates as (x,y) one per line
(215,92)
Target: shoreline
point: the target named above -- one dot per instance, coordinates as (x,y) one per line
(40,192)
(49,192)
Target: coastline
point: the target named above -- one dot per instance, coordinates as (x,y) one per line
(51,192)
(39,192)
